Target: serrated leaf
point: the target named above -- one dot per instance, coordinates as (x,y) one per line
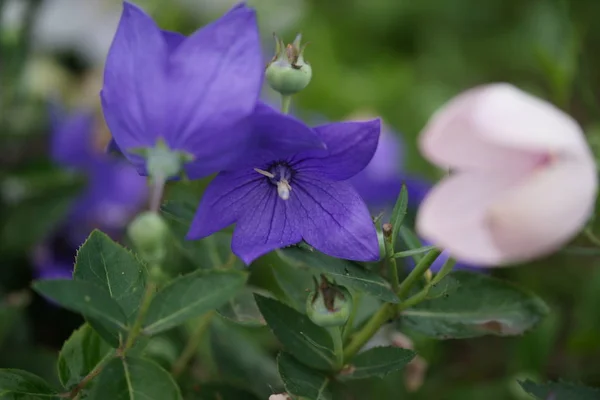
(343,272)
(299,380)
(482,306)
(85,298)
(399,212)
(80,354)
(16,384)
(377,362)
(192,295)
(559,391)
(133,378)
(309,343)
(108,265)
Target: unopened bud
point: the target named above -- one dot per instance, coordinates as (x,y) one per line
(149,234)
(329,305)
(288,73)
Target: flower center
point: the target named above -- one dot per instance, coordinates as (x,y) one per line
(280,175)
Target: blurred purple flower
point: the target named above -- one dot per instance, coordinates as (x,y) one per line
(113,195)
(380,182)
(292,189)
(192,92)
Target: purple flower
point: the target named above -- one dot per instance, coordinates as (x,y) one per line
(287,192)
(192,92)
(380,182)
(113,195)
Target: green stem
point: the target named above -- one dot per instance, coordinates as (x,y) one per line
(591,237)
(139,321)
(192,344)
(349,327)
(76,391)
(410,253)
(391,262)
(372,326)
(416,274)
(338,345)
(156,193)
(286,101)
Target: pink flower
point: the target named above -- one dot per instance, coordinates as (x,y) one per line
(523,179)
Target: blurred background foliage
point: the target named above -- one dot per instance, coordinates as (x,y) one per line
(400,59)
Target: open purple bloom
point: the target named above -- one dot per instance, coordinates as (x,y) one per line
(192,92)
(380,182)
(287,192)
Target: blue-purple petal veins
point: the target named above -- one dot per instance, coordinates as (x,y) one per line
(379,184)
(193,92)
(309,167)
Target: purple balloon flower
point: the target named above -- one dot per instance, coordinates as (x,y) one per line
(380,182)
(288,190)
(192,92)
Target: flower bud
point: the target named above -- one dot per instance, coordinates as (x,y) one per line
(288,73)
(149,234)
(329,305)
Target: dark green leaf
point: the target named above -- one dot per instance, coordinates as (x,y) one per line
(300,380)
(308,342)
(295,282)
(80,354)
(343,272)
(378,361)
(242,309)
(240,360)
(22,384)
(191,295)
(482,306)
(134,378)
(399,212)
(85,298)
(560,391)
(217,391)
(108,265)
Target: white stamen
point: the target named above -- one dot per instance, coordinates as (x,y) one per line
(283,189)
(265,173)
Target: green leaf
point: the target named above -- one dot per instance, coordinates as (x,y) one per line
(191,295)
(377,362)
(80,354)
(482,306)
(22,384)
(242,309)
(410,253)
(344,272)
(300,380)
(399,212)
(85,298)
(309,343)
(108,265)
(295,282)
(134,378)
(411,241)
(240,360)
(559,391)
(218,391)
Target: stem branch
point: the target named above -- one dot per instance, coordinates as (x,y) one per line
(192,345)
(372,326)
(139,321)
(421,267)
(286,101)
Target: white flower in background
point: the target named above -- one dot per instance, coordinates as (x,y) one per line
(84,26)
(523,179)
(281,396)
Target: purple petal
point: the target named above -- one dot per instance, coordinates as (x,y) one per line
(71,138)
(215,77)
(134,91)
(334,219)
(351,146)
(173,39)
(228,196)
(271,224)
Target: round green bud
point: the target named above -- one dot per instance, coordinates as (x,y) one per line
(329,307)
(286,79)
(149,234)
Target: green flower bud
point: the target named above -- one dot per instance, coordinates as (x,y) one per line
(329,305)
(149,234)
(288,73)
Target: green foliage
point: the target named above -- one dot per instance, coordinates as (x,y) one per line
(16,385)
(399,212)
(481,306)
(559,391)
(302,381)
(377,362)
(133,378)
(309,343)
(192,295)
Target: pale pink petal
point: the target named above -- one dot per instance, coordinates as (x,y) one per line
(498,126)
